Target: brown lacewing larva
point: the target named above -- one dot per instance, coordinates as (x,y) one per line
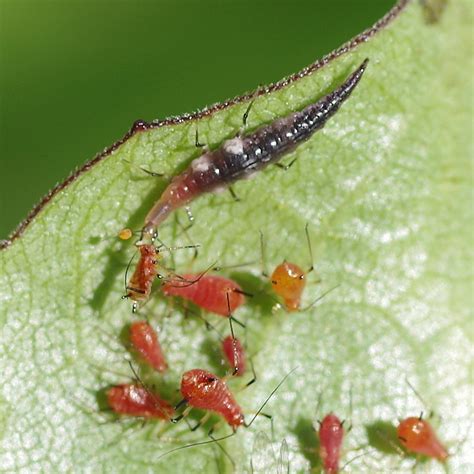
(243,155)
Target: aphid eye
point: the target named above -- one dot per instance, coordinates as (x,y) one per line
(274,282)
(401,438)
(211,379)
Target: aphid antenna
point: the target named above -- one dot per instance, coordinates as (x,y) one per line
(219,268)
(191,282)
(262,406)
(319,298)
(145,170)
(145,386)
(349,428)
(422,400)
(357,457)
(310,248)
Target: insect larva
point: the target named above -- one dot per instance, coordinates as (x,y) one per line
(137,400)
(144,340)
(243,155)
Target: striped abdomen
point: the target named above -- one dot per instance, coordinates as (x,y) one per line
(206,391)
(243,155)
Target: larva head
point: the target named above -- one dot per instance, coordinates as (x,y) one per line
(288,282)
(417,436)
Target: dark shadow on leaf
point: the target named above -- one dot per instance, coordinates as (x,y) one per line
(309,442)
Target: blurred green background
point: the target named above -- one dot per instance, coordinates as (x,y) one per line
(75,74)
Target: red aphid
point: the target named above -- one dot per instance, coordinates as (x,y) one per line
(136,400)
(235,355)
(206,391)
(139,286)
(418,436)
(331,436)
(209,292)
(145,341)
(288,282)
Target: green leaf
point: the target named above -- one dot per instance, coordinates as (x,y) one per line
(386,191)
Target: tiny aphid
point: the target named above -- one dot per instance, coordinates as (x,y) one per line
(235,355)
(144,340)
(331,437)
(137,400)
(417,436)
(140,284)
(288,279)
(243,155)
(125,234)
(212,293)
(288,282)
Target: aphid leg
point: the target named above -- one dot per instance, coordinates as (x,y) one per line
(190,217)
(262,256)
(234,196)
(145,170)
(286,167)
(188,237)
(262,406)
(254,375)
(150,393)
(196,140)
(201,422)
(310,248)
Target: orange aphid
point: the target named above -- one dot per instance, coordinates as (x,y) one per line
(288,282)
(417,436)
(139,286)
(136,400)
(145,341)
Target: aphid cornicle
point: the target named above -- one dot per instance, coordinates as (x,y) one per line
(243,155)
